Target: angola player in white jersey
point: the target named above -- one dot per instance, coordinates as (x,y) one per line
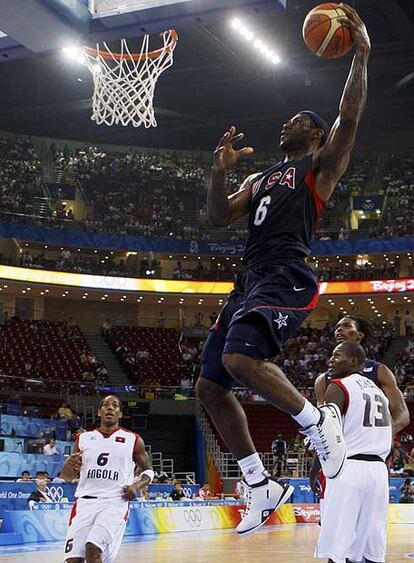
(354,514)
(104,460)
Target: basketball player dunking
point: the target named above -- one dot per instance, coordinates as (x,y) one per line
(358,330)
(104,460)
(277,290)
(354,515)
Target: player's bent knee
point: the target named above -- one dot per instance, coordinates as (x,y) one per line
(238,366)
(208,392)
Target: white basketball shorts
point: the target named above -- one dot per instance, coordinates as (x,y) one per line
(355,514)
(98,521)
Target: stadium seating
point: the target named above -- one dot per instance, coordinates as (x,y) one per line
(150,355)
(140,192)
(44,355)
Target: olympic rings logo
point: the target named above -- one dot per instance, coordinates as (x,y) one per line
(188,492)
(193,517)
(55,493)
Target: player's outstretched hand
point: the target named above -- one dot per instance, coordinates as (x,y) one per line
(358,29)
(129,492)
(225,155)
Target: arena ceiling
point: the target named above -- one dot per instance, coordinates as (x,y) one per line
(216,81)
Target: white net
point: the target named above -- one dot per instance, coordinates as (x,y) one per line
(124,83)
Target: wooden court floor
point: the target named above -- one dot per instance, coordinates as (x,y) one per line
(284,544)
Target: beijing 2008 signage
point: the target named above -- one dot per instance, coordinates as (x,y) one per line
(28,275)
(372,286)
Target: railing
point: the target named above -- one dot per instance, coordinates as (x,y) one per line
(294,464)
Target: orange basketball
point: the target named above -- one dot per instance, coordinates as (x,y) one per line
(324,35)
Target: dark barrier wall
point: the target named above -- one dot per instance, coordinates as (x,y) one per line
(66,237)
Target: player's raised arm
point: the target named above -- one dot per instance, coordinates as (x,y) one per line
(398,407)
(222,209)
(332,160)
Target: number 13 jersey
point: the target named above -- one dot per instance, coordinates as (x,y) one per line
(367,419)
(107,463)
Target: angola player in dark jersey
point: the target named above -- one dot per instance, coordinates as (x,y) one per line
(359,330)
(277,289)
(349,329)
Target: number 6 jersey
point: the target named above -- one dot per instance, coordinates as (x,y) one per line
(107,463)
(284,210)
(367,419)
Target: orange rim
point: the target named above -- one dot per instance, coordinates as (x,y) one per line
(135,56)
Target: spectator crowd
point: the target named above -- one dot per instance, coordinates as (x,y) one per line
(161,193)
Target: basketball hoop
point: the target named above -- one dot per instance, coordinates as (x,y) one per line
(124,82)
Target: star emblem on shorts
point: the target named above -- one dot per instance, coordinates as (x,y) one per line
(281,321)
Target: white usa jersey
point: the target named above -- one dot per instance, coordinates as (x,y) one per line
(367,419)
(107,463)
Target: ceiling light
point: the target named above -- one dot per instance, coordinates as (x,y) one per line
(74,54)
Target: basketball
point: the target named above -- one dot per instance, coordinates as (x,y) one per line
(324,34)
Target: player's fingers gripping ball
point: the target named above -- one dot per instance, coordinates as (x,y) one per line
(326,33)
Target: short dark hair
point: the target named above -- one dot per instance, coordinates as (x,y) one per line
(101,402)
(354,350)
(25,471)
(365,326)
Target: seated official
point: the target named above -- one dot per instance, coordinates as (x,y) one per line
(40,494)
(177,493)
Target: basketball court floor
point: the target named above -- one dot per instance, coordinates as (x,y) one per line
(287,544)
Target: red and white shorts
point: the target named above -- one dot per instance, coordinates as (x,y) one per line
(101,522)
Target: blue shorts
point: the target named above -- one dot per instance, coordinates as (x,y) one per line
(262,312)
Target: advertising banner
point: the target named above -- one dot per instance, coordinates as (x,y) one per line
(50,523)
(187,286)
(14,496)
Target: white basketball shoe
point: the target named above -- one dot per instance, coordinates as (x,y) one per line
(262,500)
(328,440)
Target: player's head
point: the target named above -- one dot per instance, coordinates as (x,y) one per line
(353,329)
(347,358)
(110,410)
(305,131)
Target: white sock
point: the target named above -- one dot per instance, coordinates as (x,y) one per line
(308,416)
(252,469)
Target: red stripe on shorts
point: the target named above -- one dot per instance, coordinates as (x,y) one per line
(72,513)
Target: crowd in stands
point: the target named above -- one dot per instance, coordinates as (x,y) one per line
(45,355)
(398,220)
(404,369)
(343,270)
(218,269)
(20,175)
(147,193)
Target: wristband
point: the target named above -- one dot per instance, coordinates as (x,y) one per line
(149,473)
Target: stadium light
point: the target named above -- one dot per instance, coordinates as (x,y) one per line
(74,54)
(258,44)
